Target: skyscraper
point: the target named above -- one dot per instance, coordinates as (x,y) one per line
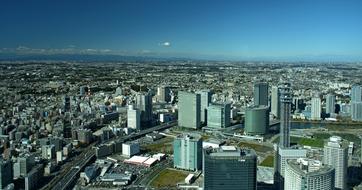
(187,152)
(356,111)
(164,94)
(282,155)
(133,118)
(330,103)
(144,105)
(218,115)
(285,109)
(189,110)
(275,101)
(335,155)
(205,96)
(256,120)
(316,108)
(356,93)
(6,173)
(229,168)
(305,173)
(261,93)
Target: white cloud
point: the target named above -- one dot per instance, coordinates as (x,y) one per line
(165,44)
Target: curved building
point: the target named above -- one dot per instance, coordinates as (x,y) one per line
(305,173)
(256,120)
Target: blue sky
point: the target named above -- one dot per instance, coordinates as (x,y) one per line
(231,29)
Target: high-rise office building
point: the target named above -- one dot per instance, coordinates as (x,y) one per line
(356,111)
(48,151)
(282,155)
(187,152)
(316,108)
(305,173)
(330,103)
(133,118)
(335,155)
(229,168)
(189,110)
(67,104)
(144,105)
(164,94)
(285,111)
(6,172)
(218,115)
(261,93)
(33,177)
(275,101)
(356,93)
(205,98)
(256,120)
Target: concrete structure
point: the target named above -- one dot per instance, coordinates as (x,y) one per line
(205,99)
(187,152)
(189,110)
(356,111)
(330,103)
(275,101)
(133,118)
(218,115)
(85,136)
(59,156)
(144,105)
(316,108)
(335,155)
(230,168)
(164,94)
(256,120)
(6,173)
(304,174)
(282,155)
(48,151)
(131,148)
(285,110)
(261,93)
(356,93)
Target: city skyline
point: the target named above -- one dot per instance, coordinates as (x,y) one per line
(236,30)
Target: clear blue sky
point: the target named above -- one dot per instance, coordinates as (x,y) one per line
(186,28)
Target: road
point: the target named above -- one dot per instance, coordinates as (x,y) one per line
(71,171)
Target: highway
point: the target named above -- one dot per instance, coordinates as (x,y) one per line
(70,173)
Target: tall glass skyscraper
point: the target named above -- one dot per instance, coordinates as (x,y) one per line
(205,96)
(6,172)
(218,115)
(285,109)
(229,168)
(330,103)
(144,105)
(261,93)
(336,156)
(275,101)
(187,152)
(316,108)
(189,110)
(356,93)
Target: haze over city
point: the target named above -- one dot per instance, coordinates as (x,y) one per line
(187,95)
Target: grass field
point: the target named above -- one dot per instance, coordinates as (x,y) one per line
(168,179)
(164,146)
(313,142)
(256,147)
(268,161)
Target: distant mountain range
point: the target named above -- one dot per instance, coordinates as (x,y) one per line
(146,58)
